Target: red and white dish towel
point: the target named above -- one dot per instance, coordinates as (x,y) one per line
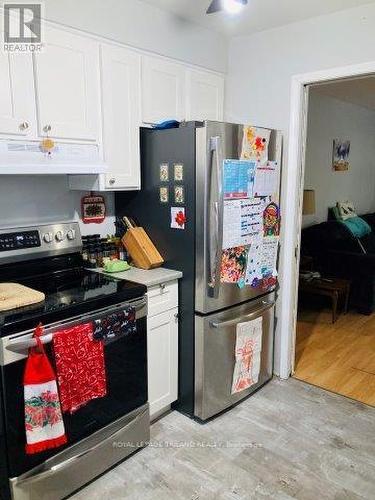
(43,419)
(80,366)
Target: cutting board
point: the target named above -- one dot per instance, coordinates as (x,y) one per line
(14,295)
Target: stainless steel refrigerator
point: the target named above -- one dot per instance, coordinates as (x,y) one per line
(183,168)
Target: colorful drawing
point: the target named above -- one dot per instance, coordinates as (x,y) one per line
(233,264)
(255,144)
(340,160)
(271,220)
(178,217)
(247,355)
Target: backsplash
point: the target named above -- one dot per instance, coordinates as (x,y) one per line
(28,200)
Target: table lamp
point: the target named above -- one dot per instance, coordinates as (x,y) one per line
(308,207)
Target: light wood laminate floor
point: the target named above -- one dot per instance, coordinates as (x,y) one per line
(339,357)
(289,440)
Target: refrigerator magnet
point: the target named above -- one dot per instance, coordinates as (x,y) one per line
(179,194)
(178,172)
(164,195)
(164,172)
(178,218)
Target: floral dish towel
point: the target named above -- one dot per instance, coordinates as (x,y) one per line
(43,419)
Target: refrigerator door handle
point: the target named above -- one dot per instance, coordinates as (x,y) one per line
(216,207)
(254,314)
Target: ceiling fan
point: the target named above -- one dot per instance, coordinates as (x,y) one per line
(231,6)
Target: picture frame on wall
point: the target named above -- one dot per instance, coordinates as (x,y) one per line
(340,155)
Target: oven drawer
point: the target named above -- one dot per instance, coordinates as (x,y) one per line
(162,297)
(74,467)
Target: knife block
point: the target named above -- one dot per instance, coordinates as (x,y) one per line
(141,249)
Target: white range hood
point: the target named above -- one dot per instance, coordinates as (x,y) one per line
(26,157)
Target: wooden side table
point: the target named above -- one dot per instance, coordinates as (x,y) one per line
(334,288)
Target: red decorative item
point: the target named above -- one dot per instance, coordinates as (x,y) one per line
(43,419)
(180,218)
(93,209)
(80,366)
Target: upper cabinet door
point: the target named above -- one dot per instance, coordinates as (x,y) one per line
(121,95)
(67,86)
(163,90)
(17,107)
(205,96)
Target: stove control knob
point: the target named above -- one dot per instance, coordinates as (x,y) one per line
(71,234)
(60,236)
(47,237)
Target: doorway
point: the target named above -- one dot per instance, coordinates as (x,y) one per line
(335,334)
(293,182)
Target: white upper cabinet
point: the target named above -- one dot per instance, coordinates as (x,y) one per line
(163,90)
(67,86)
(121,98)
(204,96)
(17,108)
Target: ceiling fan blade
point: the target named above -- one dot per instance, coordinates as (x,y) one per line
(217,5)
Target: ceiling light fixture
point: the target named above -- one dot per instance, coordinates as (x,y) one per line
(230,6)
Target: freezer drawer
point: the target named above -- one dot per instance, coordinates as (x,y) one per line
(215,341)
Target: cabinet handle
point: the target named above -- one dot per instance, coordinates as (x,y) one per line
(112,180)
(176,315)
(24,126)
(162,287)
(47,128)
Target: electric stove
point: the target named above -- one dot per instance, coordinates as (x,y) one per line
(47,258)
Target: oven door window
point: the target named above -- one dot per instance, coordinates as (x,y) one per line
(126,370)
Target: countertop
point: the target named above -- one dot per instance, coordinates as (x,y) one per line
(148,278)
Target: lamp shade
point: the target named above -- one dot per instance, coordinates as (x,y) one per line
(308,202)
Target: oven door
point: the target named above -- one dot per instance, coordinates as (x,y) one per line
(126,370)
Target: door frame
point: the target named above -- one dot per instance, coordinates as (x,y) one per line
(293,182)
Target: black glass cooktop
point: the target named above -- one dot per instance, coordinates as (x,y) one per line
(69,292)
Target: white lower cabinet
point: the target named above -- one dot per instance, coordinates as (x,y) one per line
(162,353)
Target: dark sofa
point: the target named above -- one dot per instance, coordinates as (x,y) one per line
(337,253)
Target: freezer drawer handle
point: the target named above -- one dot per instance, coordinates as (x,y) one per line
(214,257)
(254,314)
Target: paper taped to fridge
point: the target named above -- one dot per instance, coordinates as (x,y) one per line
(239,178)
(266,179)
(255,143)
(242,222)
(247,354)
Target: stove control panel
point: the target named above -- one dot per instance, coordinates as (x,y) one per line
(39,241)
(18,241)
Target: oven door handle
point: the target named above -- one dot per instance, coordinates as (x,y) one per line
(71,460)
(20,344)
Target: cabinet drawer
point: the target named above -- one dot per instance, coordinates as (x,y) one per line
(162,297)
